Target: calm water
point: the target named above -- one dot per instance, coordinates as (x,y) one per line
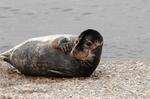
(125,25)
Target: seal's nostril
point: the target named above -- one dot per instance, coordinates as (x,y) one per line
(81,49)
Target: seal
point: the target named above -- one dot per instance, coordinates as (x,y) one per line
(57,55)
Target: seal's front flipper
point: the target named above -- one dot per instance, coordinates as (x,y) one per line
(63,44)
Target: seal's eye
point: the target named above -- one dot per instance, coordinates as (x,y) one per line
(88,43)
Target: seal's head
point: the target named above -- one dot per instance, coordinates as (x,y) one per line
(88,45)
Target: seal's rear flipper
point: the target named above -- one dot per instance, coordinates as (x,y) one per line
(6,56)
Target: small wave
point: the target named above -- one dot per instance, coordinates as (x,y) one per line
(87,13)
(55,8)
(5,7)
(1,16)
(67,10)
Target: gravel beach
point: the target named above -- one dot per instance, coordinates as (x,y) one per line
(112,80)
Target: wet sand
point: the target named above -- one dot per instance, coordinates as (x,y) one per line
(124,71)
(112,80)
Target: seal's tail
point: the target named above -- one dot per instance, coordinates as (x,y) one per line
(5,56)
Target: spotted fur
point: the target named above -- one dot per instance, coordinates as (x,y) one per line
(54,56)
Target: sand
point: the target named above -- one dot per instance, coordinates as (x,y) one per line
(126,79)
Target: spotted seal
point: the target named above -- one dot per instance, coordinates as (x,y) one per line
(57,55)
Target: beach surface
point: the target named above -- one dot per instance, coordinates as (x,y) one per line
(112,80)
(124,72)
